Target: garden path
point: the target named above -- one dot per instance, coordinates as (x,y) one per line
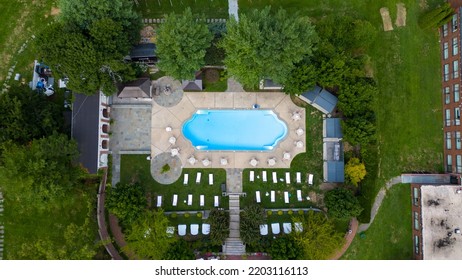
(2,229)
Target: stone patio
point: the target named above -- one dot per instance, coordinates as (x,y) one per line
(175,116)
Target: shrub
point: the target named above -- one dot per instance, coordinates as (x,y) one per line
(290,212)
(342,204)
(199,214)
(280,212)
(301,212)
(173,215)
(355,171)
(165,168)
(186,215)
(437,17)
(269,212)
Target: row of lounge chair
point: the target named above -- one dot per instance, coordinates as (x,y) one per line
(194,229)
(198,178)
(298,177)
(216,202)
(276,228)
(286,196)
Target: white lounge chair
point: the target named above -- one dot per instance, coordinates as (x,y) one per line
(287,227)
(273,196)
(175,200)
(287,177)
(252,176)
(257,196)
(264,229)
(194,229)
(286,197)
(298,227)
(263,175)
(275,178)
(299,178)
(198,177)
(181,230)
(275,228)
(159,201)
(216,201)
(185,179)
(299,195)
(190,197)
(202,200)
(210,179)
(310,179)
(170,231)
(205,229)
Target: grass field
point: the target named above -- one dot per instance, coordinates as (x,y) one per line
(208,8)
(137,168)
(390,236)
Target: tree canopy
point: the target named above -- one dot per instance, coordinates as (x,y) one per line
(267,45)
(251,218)
(342,204)
(181,45)
(318,240)
(219,226)
(285,248)
(126,201)
(26,115)
(355,171)
(148,236)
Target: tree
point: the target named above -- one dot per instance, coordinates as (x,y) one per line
(359,130)
(301,79)
(265,45)
(148,236)
(179,250)
(126,201)
(318,240)
(357,98)
(251,218)
(436,17)
(285,248)
(181,45)
(355,171)
(342,204)
(219,226)
(27,115)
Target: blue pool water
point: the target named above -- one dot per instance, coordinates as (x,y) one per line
(234,130)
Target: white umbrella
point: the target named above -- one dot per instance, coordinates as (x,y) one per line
(206,162)
(296,116)
(299,131)
(286,156)
(175,151)
(271,161)
(254,162)
(223,161)
(172,140)
(192,160)
(299,144)
(168,129)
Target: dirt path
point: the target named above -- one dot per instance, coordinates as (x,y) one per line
(349,236)
(387,25)
(401,17)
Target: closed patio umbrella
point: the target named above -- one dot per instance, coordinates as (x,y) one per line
(172,140)
(299,131)
(223,161)
(299,144)
(206,162)
(254,162)
(296,116)
(272,161)
(168,129)
(175,151)
(286,156)
(192,160)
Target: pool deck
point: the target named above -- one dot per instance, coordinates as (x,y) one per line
(175,116)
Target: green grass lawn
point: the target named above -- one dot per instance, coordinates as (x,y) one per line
(390,236)
(26,226)
(158,8)
(135,168)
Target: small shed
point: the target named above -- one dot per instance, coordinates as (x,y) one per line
(321,99)
(193,85)
(140,88)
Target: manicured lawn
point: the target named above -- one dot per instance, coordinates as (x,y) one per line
(26,227)
(390,236)
(213,80)
(158,8)
(135,168)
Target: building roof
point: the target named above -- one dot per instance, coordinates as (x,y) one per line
(332,128)
(334,171)
(143,51)
(321,99)
(195,85)
(441,218)
(140,88)
(85,129)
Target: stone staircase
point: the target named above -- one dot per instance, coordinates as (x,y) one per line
(233,244)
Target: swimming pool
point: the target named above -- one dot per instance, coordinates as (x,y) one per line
(234,130)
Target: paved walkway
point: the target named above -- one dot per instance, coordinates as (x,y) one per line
(233,9)
(378,201)
(233,244)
